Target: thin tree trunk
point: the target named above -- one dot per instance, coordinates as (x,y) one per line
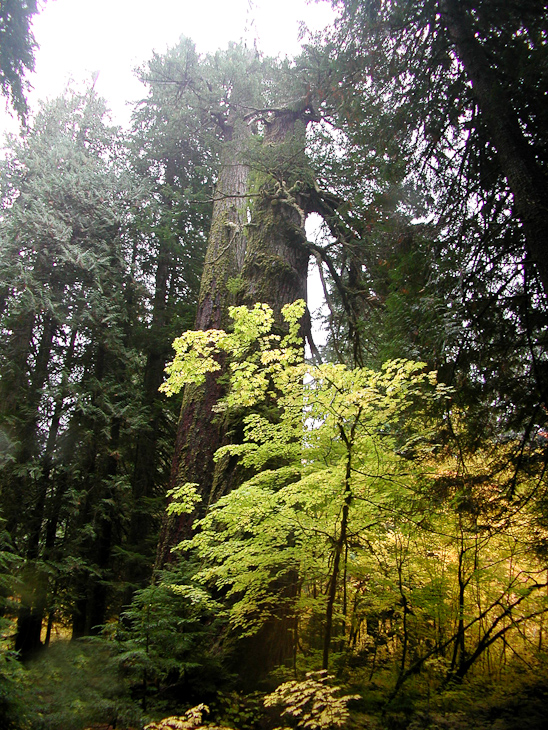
(33,599)
(340,543)
(145,470)
(100,474)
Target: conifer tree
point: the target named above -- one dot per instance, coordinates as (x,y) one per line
(17,48)
(66,357)
(435,257)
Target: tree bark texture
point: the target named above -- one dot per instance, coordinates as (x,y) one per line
(255,253)
(199,431)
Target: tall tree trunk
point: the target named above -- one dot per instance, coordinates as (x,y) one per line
(33,598)
(276,262)
(200,432)
(255,252)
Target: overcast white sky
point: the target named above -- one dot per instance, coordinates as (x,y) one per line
(79,37)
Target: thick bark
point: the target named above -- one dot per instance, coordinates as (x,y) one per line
(255,253)
(276,261)
(516,157)
(275,266)
(199,432)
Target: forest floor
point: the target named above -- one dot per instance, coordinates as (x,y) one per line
(77,685)
(502,707)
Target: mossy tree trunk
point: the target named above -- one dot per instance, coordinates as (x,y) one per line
(256,252)
(200,431)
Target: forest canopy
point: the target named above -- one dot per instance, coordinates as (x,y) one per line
(256,510)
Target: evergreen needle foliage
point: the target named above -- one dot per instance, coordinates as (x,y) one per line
(383,512)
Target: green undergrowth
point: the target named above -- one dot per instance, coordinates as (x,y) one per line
(77,685)
(72,685)
(517,699)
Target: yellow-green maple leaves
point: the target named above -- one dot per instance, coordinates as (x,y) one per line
(303,425)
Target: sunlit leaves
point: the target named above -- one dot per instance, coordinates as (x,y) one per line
(183,499)
(357,466)
(312,703)
(287,517)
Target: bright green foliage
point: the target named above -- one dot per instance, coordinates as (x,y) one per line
(312,703)
(191,720)
(196,351)
(365,519)
(183,499)
(426,97)
(326,463)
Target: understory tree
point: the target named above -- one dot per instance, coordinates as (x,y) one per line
(395,548)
